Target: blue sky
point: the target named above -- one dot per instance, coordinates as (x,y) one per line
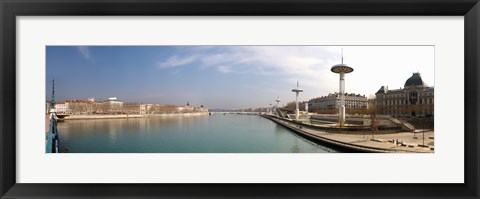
(227,76)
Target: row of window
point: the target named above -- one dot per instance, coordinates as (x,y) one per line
(405,95)
(405,102)
(331,104)
(346,99)
(316,106)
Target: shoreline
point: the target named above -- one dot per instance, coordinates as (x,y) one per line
(352,141)
(127,116)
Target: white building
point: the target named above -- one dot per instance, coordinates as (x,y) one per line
(186,108)
(332,101)
(114,104)
(146,108)
(61,108)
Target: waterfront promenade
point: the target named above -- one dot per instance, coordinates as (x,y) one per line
(385,142)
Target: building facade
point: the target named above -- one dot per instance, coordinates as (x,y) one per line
(332,102)
(111,106)
(78,107)
(114,105)
(161,109)
(416,99)
(61,108)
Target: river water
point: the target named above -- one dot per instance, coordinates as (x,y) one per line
(216,133)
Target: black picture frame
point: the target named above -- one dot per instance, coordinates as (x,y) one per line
(9,9)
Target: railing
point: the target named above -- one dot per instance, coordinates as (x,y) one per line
(280,113)
(52,137)
(404,124)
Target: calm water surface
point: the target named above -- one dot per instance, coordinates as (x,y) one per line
(184,134)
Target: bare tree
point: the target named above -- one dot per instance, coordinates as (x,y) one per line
(290,106)
(131,108)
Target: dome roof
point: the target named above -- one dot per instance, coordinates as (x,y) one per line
(414,80)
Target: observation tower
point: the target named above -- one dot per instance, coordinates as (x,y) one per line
(277,100)
(341,69)
(297,91)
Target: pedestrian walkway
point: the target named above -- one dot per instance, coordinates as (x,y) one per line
(393,142)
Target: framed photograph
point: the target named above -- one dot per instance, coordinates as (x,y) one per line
(239,99)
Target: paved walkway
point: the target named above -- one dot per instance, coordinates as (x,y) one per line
(406,140)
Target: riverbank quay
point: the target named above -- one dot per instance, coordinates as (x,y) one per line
(400,142)
(127,116)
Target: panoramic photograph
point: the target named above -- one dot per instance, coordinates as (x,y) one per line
(239,99)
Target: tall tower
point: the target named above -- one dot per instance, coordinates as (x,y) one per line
(342,69)
(278,101)
(297,91)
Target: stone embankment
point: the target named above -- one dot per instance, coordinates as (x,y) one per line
(401,142)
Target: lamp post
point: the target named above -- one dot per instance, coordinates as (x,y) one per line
(373,124)
(424,120)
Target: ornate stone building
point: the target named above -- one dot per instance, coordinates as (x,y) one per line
(416,99)
(332,101)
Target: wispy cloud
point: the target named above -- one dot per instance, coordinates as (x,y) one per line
(261,89)
(224,69)
(175,61)
(85,51)
(308,64)
(175,72)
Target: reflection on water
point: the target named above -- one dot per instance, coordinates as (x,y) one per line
(295,149)
(178,134)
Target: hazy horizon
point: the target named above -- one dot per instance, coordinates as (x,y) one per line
(227,77)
